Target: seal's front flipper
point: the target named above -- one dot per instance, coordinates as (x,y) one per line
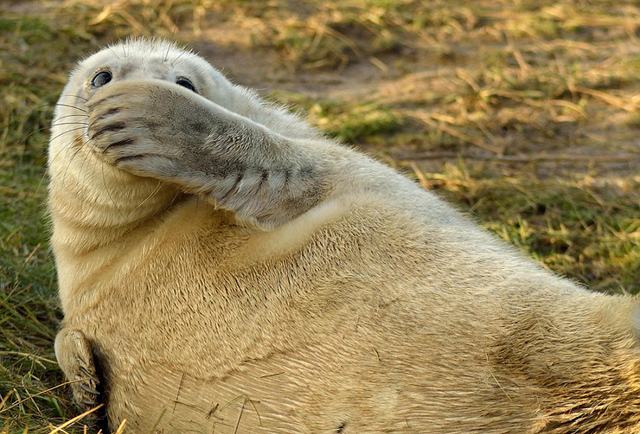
(75,357)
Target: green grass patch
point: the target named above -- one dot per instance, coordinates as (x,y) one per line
(355,124)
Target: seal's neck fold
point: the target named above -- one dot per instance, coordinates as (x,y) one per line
(93,204)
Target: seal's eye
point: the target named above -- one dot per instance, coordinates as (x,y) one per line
(101,78)
(184,82)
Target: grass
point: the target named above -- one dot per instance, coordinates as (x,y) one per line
(524,113)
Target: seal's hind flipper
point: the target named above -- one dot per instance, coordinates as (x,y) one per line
(75,357)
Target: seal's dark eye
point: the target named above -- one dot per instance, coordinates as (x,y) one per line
(101,78)
(186,83)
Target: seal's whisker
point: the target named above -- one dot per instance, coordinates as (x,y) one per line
(44,175)
(70,123)
(66,132)
(73,156)
(48,105)
(67,95)
(173,200)
(51,160)
(73,107)
(55,157)
(166,53)
(106,189)
(60,151)
(173,63)
(120,183)
(152,194)
(69,116)
(83,174)
(25,138)
(113,52)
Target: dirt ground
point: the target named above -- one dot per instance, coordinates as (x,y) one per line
(562,132)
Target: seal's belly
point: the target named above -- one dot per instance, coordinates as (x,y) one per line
(253,401)
(325,388)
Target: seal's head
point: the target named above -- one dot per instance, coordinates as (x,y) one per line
(133,59)
(84,190)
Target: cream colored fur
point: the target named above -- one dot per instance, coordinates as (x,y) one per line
(225,268)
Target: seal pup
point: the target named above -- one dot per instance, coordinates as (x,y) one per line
(224,267)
